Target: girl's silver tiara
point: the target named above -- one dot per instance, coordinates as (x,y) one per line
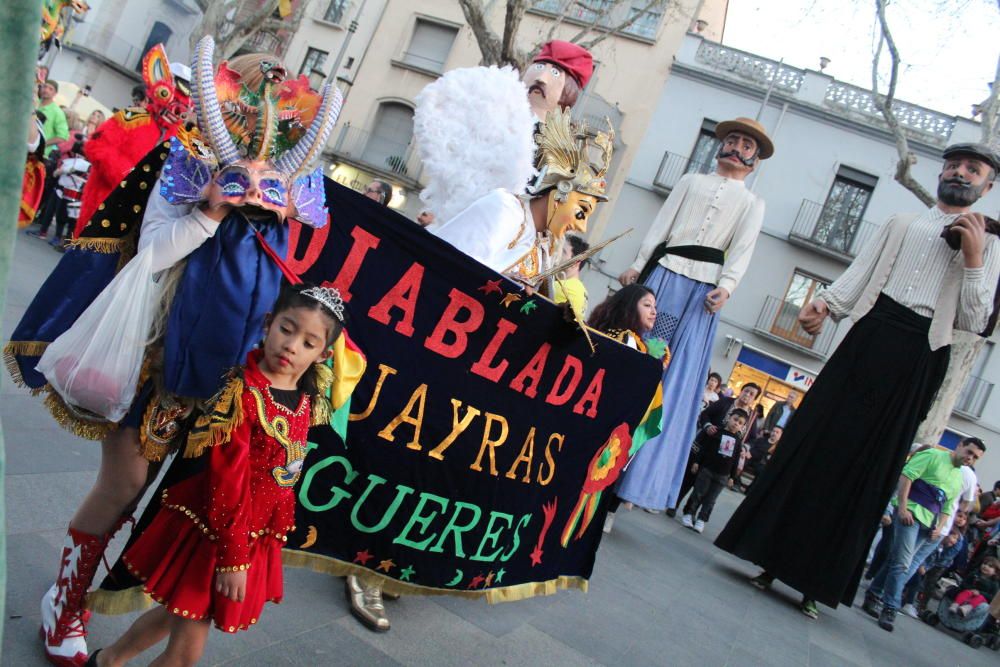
(329,297)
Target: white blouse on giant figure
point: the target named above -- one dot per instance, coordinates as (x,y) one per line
(496,230)
(172,231)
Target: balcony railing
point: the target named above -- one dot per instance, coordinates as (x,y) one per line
(926,124)
(673,166)
(383,154)
(750,67)
(830,231)
(973,398)
(778,320)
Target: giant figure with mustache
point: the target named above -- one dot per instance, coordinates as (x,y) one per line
(693,256)
(556,76)
(811,515)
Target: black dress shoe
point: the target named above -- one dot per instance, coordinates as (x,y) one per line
(671,512)
(887,619)
(872,605)
(92,660)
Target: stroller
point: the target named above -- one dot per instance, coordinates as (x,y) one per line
(977,629)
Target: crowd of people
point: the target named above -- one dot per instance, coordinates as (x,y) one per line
(822,467)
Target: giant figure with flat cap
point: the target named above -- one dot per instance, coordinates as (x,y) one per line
(693,257)
(810,517)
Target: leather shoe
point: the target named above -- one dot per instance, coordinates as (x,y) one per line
(366,604)
(872,605)
(887,619)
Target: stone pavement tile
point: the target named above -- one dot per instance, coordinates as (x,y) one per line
(500,619)
(821,657)
(42,446)
(772,645)
(324,645)
(44,500)
(424,633)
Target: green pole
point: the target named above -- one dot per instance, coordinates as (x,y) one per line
(20,29)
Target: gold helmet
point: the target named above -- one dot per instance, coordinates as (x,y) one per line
(564,158)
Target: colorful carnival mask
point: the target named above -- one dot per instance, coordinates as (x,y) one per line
(255,146)
(572,183)
(168,96)
(55,17)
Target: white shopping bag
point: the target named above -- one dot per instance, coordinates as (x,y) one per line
(95,364)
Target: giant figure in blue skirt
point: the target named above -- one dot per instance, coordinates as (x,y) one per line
(693,256)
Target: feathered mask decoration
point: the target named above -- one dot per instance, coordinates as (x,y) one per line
(564,158)
(256,145)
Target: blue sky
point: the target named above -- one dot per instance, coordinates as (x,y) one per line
(948,48)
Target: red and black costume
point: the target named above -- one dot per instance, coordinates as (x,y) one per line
(121,141)
(236,513)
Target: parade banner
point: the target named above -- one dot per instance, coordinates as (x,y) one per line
(484,434)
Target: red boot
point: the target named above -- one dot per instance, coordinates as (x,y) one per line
(63,617)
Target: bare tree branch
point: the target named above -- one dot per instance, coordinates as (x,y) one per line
(906,157)
(511,22)
(489,43)
(559,19)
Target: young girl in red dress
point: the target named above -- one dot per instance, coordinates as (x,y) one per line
(212,554)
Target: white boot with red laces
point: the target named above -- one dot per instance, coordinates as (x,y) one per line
(63,617)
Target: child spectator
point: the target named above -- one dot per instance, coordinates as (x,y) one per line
(978,588)
(569,287)
(715,464)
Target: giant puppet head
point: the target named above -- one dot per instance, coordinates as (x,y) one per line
(168,87)
(556,76)
(573,166)
(255,147)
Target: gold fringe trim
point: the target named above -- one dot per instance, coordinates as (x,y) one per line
(103,246)
(90,430)
(114,603)
(21,348)
(149,449)
(322,410)
(339,568)
(214,429)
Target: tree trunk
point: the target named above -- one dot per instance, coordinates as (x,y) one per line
(19,26)
(965,347)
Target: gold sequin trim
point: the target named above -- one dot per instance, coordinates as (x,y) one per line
(234,568)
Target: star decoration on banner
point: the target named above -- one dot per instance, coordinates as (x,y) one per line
(491,287)
(510,298)
(476,580)
(363,557)
(529,306)
(536,557)
(406,573)
(386,565)
(489,580)
(500,574)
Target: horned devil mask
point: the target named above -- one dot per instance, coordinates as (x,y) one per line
(257,146)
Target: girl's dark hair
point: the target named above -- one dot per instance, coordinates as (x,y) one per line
(994,563)
(718,378)
(620,310)
(291,296)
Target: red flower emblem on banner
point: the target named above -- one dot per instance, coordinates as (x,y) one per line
(609,460)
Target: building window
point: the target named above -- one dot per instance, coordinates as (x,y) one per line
(314,59)
(388,147)
(842,215)
(647,23)
(801,290)
(430,45)
(702,160)
(335,11)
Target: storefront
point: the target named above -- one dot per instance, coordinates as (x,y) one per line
(774,376)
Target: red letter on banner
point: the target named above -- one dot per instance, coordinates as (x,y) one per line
(363,242)
(449,323)
(403,295)
(532,371)
(317,240)
(571,364)
(483,367)
(591,395)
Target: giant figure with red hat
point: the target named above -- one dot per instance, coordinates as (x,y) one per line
(693,257)
(124,139)
(556,77)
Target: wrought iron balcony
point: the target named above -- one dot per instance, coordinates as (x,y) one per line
(778,320)
(974,397)
(830,230)
(385,155)
(673,166)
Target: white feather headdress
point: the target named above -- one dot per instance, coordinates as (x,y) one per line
(474,130)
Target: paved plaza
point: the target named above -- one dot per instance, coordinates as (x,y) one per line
(660,594)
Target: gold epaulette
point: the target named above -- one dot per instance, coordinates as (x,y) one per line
(322,410)
(225,412)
